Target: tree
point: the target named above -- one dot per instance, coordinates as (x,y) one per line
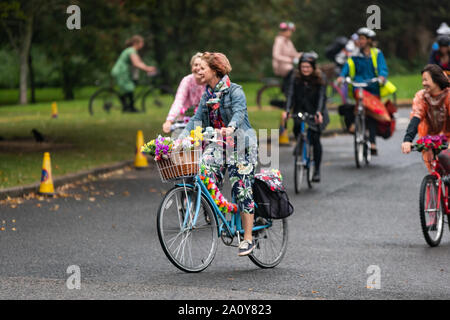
(17,18)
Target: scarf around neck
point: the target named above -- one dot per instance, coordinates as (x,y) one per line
(215,94)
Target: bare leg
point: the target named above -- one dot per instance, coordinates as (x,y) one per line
(247,223)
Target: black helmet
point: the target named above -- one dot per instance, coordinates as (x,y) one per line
(443,40)
(310,57)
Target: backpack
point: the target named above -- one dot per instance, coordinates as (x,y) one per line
(270,197)
(335,47)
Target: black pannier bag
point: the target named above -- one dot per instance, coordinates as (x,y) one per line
(270,197)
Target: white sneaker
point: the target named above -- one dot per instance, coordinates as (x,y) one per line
(245,248)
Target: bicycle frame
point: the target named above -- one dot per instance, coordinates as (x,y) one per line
(435,165)
(232,227)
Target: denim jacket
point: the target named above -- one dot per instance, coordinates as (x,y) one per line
(233,109)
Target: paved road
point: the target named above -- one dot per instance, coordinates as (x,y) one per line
(351,220)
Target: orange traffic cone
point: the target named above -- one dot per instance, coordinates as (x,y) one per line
(54,110)
(46,186)
(284,136)
(140,160)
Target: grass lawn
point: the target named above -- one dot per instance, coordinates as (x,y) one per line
(79,141)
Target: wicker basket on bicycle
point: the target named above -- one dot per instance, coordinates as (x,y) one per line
(179,165)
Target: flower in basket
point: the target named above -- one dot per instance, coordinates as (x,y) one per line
(160,147)
(184,144)
(197,135)
(149,148)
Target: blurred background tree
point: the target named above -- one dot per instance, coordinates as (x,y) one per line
(35,32)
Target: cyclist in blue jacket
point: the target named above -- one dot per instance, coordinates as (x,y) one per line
(363,69)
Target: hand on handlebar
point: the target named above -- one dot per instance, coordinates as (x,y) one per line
(151,71)
(318,118)
(406,147)
(167,126)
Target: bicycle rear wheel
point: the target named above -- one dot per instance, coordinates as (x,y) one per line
(270,244)
(105,100)
(431,213)
(193,247)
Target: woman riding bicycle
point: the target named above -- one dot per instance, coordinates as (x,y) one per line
(122,71)
(188,94)
(308,94)
(223,107)
(430,113)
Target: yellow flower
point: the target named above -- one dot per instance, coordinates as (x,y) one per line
(197,135)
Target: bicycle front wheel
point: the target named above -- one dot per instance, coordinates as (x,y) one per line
(299,167)
(310,166)
(190,247)
(270,244)
(105,100)
(431,211)
(359,140)
(270,95)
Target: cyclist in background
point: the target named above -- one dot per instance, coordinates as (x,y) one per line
(441,56)
(308,94)
(123,72)
(188,94)
(361,68)
(443,29)
(430,113)
(284,54)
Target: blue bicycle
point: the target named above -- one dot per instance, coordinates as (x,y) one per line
(303,153)
(189,225)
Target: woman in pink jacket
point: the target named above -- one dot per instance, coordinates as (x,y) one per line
(188,94)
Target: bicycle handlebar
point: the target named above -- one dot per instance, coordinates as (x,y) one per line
(304,116)
(363,84)
(177,125)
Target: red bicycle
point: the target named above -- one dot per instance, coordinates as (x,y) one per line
(434,190)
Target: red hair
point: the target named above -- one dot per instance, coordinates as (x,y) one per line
(218,62)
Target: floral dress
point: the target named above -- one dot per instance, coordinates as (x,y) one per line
(217,158)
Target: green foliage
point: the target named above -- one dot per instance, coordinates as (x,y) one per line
(174,30)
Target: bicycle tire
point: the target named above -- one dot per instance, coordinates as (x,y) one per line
(266,239)
(156,101)
(299,167)
(310,166)
(431,180)
(358,141)
(266,87)
(109,93)
(198,261)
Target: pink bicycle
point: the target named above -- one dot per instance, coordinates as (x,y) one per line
(434,190)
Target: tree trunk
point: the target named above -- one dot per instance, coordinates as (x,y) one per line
(32,83)
(23,56)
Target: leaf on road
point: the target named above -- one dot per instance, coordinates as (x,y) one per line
(126,193)
(91,199)
(55,207)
